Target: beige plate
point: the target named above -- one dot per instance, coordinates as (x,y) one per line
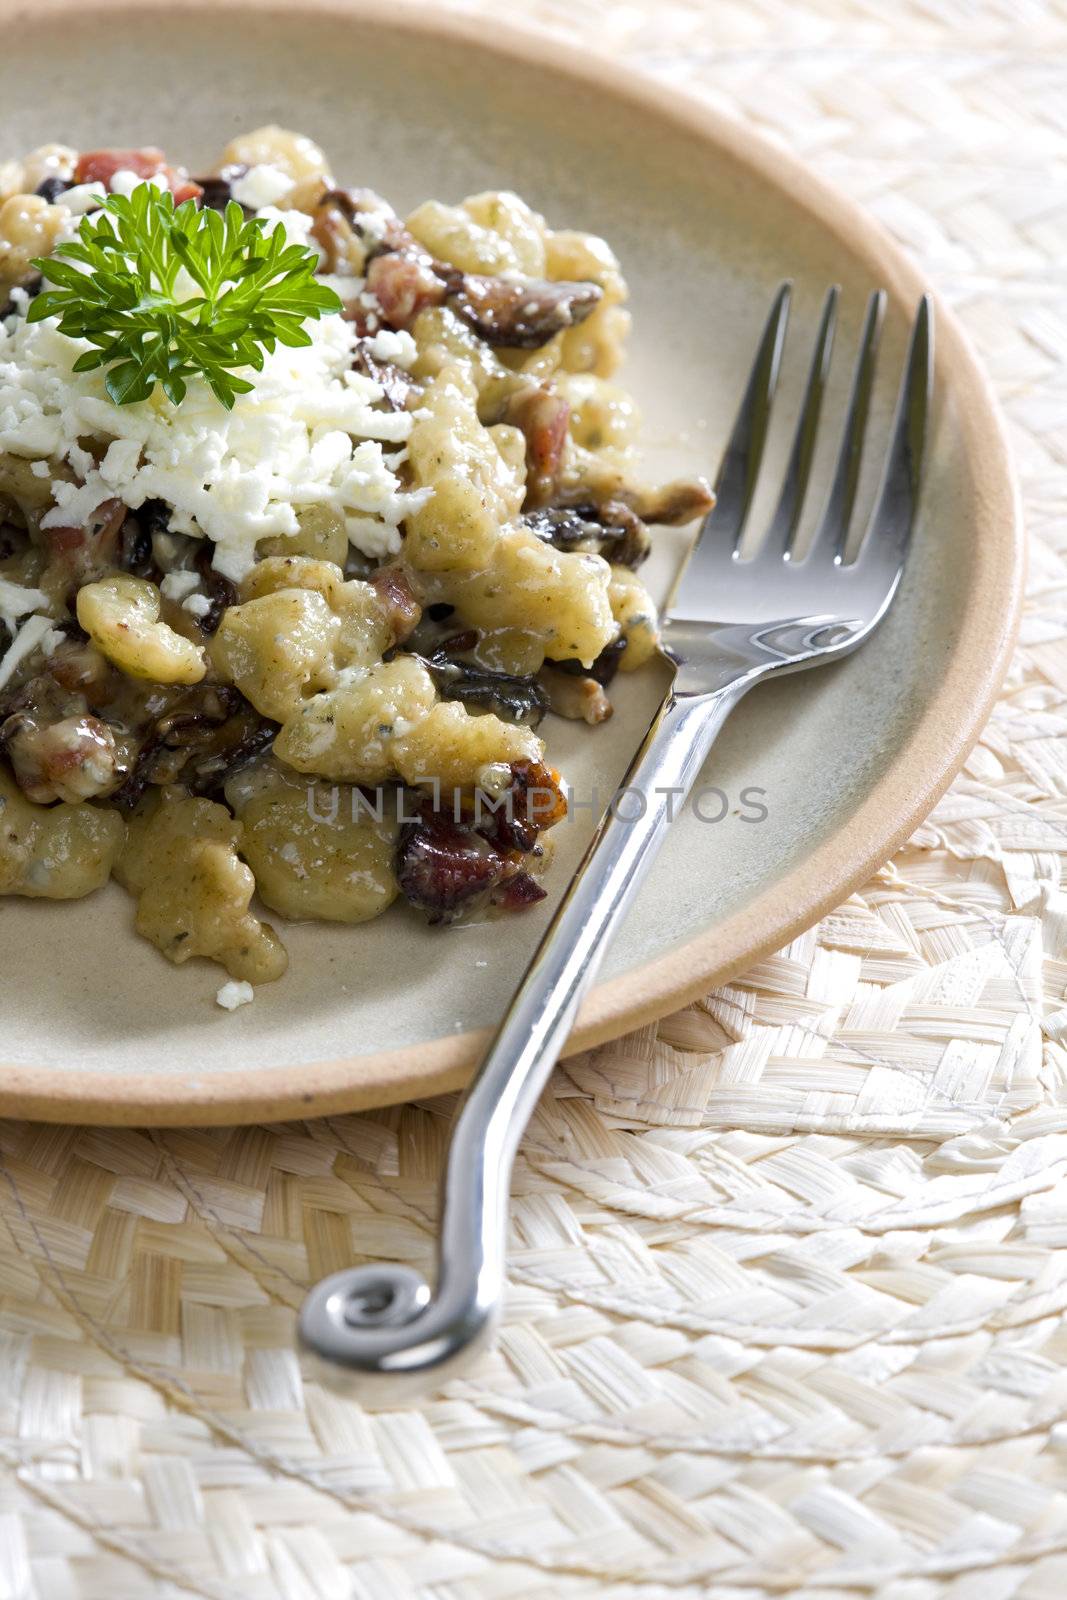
(707,219)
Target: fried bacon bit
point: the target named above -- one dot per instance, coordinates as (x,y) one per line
(518,892)
(401,607)
(397,386)
(543,417)
(403,285)
(100,166)
(73,759)
(57,750)
(533,804)
(521,314)
(81,555)
(445,866)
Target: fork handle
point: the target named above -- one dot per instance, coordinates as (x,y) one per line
(378,1328)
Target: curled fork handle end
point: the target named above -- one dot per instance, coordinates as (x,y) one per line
(380,1331)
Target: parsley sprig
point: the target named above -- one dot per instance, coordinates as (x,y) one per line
(252,291)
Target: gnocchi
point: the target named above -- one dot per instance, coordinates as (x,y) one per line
(325,856)
(60,852)
(193,891)
(301,690)
(121,616)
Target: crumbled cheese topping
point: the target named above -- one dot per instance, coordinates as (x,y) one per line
(125,181)
(234,994)
(36,632)
(16,599)
(399,348)
(307,434)
(178,585)
(261,186)
(83,197)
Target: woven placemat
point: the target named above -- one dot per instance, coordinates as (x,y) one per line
(788,1290)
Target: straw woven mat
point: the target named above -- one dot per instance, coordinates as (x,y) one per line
(789,1298)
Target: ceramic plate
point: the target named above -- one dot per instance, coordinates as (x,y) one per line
(707,219)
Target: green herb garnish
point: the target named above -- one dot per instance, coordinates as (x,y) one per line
(253,290)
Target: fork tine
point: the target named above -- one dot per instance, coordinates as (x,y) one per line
(888,533)
(832,532)
(782,534)
(736,482)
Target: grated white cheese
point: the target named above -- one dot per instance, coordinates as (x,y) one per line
(35,631)
(125,181)
(16,599)
(197,605)
(261,186)
(177,585)
(297,226)
(234,994)
(82,198)
(399,348)
(307,434)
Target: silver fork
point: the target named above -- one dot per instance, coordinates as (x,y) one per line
(733,621)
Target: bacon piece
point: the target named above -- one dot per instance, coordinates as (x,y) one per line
(57,749)
(73,759)
(403,285)
(442,865)
(518,892)
(80,555)
(402,608)
(534,803)
(543,416)
(445,866)
(100,166)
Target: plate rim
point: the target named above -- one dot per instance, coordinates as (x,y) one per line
(935,749)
